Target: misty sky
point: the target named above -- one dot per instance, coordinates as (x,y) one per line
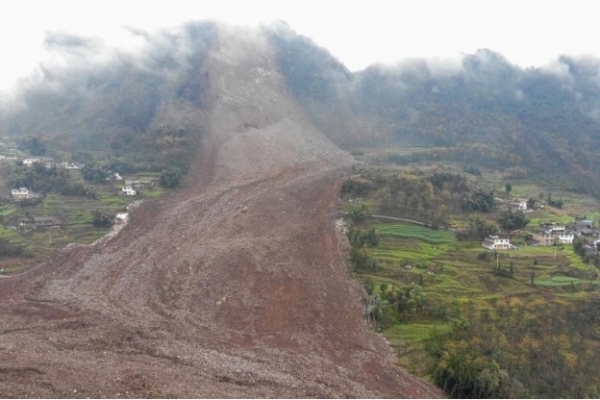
(358,33)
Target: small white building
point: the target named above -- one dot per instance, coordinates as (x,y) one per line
(519,204)
(128,191)
(550,235)
(20,194)
(68,165)
(566,237)
(28,162)
(495,242)
(118,177)
(562,235)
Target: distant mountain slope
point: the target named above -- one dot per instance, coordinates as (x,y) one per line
(483,109)
(546,119)
(99,98)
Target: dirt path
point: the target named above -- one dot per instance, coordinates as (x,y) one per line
(234,287)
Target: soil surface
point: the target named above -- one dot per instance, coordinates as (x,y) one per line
(235,286)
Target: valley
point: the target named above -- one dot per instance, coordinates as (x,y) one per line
(295,229)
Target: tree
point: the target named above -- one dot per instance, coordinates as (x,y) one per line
(412,300)
(170,177)
(508,188)
(578,244)
(556,203)
(478,200)
(34,145)
(95,173)
(383,287)
(20,179)
(359,212)
(478,230)
(509,219)
(369,286)
(101,219)
(374,307)
(372,238)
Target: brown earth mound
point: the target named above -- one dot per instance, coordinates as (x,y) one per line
(233,287)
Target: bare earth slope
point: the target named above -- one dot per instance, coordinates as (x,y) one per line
(234,287)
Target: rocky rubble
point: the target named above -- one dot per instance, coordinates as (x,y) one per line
(233,287)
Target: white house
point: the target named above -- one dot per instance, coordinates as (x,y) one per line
(20,194)
(28,162)
(519,204)
(128,191)
(566,238)
(562,235)
(68,165)
(550,235)
(495,242)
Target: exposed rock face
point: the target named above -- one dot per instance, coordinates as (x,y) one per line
(233,287)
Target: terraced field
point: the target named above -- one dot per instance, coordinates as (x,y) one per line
(75,213)
(454,272)
(410,231)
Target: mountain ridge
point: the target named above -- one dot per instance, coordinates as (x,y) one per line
(544,119)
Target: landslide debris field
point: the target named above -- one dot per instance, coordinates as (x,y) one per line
(233,287)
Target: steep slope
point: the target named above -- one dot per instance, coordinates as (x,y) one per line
(234,287)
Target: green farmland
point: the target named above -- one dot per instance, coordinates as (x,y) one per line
(447,305)
(462,289)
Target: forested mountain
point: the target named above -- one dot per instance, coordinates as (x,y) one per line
(481,109)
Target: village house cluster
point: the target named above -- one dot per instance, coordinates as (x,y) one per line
(23,193)
(551,234)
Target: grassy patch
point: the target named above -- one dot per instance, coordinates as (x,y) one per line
(403,334)
(410,231)
(8,209)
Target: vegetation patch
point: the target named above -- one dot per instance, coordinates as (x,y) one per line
(472,319)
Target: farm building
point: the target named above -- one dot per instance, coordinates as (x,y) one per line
(553,234)
(495,242)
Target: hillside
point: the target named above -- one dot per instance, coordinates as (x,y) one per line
(481,109)
(142,107)
(236,285)
(233,287)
